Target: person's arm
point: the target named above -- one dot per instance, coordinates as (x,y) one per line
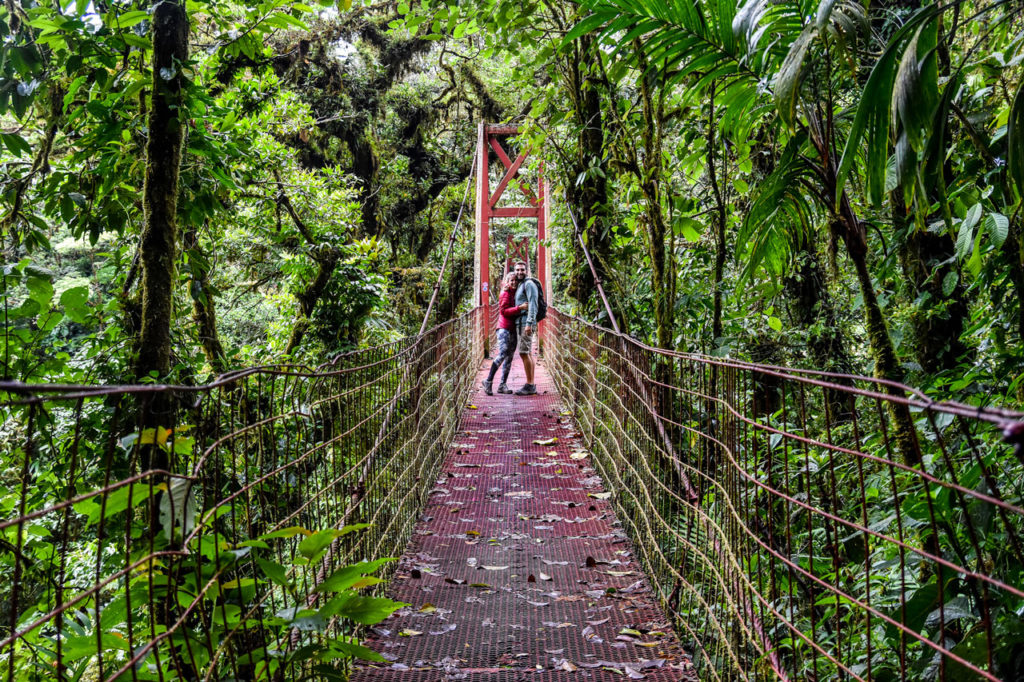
(531,298)
(509,308)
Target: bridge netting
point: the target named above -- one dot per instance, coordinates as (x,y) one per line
(782,523)
(792,531)
(190,548)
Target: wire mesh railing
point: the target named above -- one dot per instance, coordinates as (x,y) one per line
(155,532)
(790,528)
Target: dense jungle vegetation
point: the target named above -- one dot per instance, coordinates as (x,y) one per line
(188,188)
(828,184)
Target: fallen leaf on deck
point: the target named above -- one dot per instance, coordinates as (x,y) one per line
(445,629)
(545,576)
(619,574)
(598,622)
(578,455)
(409,633)
(454,581)
(472,407)
(565,665)
(496,568)
(546,441)
(598,496)
(428,608)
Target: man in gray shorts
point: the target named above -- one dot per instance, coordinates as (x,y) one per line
(527,325)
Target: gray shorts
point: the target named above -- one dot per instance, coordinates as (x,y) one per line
(527,342)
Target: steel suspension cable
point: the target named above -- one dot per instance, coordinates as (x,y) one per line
(593,270)
(451,244)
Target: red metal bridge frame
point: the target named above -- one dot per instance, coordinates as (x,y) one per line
(487,209)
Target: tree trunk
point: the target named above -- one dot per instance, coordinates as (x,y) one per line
(814,310)
(308,300)
(204,311)
(846,225)
(588,198)
(886,362)
(650,185)
(1014,253)
(938,322)
(718,223)
(157,257)
(160,193)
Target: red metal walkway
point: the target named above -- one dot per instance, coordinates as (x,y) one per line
(518,568)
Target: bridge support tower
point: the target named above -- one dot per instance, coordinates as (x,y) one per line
(490,139)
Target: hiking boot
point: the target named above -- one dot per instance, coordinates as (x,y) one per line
(487,388)
(527,389)
(504,389)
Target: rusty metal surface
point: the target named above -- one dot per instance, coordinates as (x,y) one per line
(519,568)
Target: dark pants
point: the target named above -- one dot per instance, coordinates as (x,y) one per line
(503,355)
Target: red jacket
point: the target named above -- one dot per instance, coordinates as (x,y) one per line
(508,311)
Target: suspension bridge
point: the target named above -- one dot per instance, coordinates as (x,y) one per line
(652,514)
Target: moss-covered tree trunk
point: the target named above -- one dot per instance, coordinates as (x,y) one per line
(310,297)
(718,223)
(815,311)
(588,196)
(158,250)
(158,246)
(887,365)
(204,311)
(847,226)
(938,318)
(654,216)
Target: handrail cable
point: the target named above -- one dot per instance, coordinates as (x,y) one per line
(451,244)
(593,270)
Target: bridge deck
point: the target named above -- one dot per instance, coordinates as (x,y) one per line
(518,569)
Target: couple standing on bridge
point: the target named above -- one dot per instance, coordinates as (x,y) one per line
(520,307)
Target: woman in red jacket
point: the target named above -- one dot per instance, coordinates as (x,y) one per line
(507,314)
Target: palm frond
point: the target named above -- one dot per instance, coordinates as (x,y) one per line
(780,218)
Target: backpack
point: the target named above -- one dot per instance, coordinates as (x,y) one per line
(542,305)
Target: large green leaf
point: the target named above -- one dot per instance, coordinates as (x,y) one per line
(873,119)
(363,610)
(915,88)
(346,576)
(790,75)
(780,216)
(965,236)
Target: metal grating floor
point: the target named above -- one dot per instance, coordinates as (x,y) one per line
(518,569)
